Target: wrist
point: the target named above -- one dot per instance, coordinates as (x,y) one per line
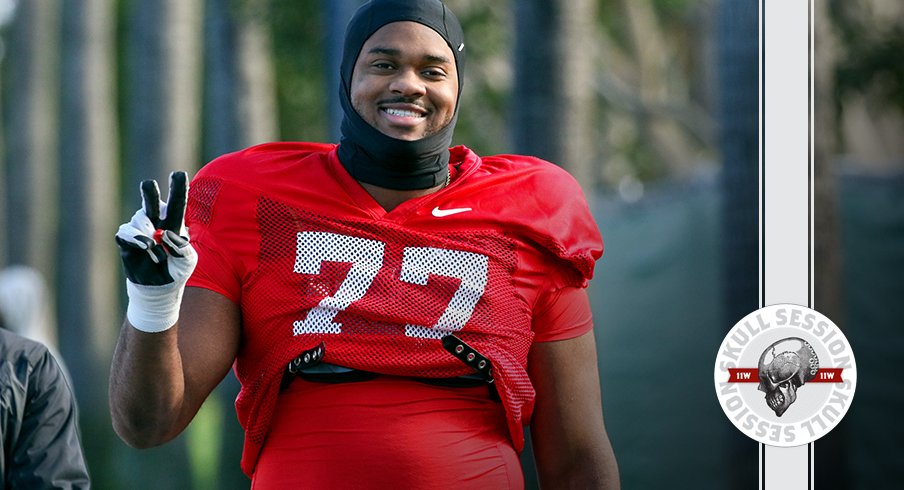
(154,309)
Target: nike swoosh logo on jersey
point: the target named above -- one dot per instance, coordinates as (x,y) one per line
(441,213)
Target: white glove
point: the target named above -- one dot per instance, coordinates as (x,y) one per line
(157,256)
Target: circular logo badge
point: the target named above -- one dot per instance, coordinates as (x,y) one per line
(785,375)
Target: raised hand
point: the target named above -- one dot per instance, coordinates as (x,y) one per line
(153,242)
(157,255)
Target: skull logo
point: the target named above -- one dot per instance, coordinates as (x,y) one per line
(784,367)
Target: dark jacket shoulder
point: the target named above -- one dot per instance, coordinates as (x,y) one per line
(38,419)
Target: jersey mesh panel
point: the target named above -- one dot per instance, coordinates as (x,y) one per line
(372,327)
(202,195)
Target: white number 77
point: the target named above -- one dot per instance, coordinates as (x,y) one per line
(366,257)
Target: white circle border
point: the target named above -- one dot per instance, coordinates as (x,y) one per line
(777,433)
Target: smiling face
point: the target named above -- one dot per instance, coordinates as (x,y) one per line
(405,82)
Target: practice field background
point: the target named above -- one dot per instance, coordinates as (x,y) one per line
(659,326)
(651,104)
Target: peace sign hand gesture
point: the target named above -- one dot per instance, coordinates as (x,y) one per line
(157,256)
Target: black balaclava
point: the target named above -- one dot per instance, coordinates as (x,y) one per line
(369,155)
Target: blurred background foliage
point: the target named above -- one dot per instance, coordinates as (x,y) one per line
(651,104)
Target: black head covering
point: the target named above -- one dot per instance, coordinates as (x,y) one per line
(369,155)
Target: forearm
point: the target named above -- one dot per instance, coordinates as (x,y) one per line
(147,378)
(571,445)
(147,387)
(158,381)
(573,453)
(177,343)
(583,468)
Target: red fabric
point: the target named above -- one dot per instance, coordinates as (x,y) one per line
(284,231)
(562,314)
(387,433)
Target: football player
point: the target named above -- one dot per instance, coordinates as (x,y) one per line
(396,310)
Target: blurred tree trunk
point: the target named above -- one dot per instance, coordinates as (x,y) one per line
(738,75)
(88,277)
(240,106)
(163,134)
(654,76)
(258,113)
(738,111)
(553,97)
(337,14)
(832,450)
(239,111)
(164,90)
(221,135)
(221,131)
(32,135)
(4,230)
(827,249)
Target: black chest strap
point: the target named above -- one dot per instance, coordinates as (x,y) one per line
(309,366)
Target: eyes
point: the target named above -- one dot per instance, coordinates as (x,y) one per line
(386,67)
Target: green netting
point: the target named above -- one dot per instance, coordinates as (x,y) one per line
(872,233)
(657,304)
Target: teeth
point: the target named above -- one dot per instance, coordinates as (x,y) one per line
(776,401)
(402,113)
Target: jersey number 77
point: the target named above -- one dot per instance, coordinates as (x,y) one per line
(367,258)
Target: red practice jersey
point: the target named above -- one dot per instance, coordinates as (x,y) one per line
(282,230)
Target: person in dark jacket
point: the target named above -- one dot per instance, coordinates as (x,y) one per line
(38,419)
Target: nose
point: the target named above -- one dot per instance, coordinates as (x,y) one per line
(408,83)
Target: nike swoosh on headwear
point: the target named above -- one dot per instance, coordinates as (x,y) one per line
(440,213)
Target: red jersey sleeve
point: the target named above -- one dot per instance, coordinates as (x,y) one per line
(565,243)
(569,234)
(203,215)
(562,314)
(549,207)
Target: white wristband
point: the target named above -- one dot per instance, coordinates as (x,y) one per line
(154,309)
